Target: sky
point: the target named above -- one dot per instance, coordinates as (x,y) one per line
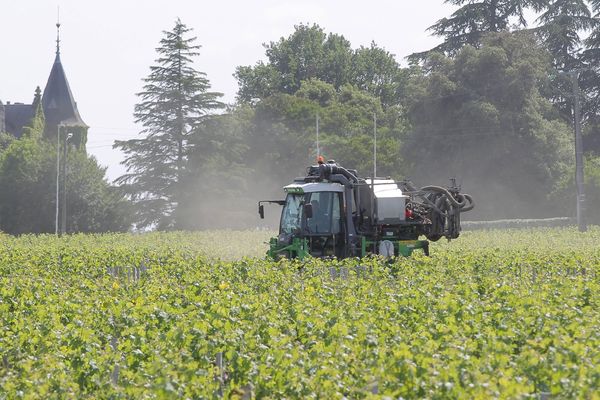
(108,46)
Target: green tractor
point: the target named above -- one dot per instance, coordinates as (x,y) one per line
(332,212)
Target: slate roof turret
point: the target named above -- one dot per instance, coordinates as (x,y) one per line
(58,102)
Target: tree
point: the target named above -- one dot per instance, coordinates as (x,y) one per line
(469,24)
(281,140)
(217,179)
(310,73)
(28,179)
(561,23)
(21,170)
(376,71)
(591,54)
(308,54)
(175,101)
(5,141)
(480,117)
(592,42)
(590,83)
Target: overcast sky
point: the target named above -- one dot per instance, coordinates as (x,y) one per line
(107,46)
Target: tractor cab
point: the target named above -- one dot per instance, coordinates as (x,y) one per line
(312,221)
(312,212)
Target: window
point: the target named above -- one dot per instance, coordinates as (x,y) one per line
(291,216)
(326,213)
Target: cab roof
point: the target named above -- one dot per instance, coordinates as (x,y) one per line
(312,187)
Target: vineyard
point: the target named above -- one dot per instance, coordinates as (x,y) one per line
(497,314)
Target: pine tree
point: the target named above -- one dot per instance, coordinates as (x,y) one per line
(592,42)
(590,83)
(175,102)
(468,24)
(561,25)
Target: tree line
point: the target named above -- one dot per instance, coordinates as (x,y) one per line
(492,106)
(28,168)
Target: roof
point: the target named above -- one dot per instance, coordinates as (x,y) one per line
(313,187)
(16,116)
(59,105)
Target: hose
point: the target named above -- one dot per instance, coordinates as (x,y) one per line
(326,170)
(471,203)
(446,192)
(445,211)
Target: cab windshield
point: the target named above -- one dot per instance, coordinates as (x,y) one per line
(291,217)
(326,217)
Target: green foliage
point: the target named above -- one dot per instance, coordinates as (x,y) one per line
(217,179)
(474,19)
(284,137)
(560,26)
(306,54)
(256,148)
(501,314)
(28,181)
(92,204)
(5,140)
(311,54)
(175,102)
(481,117)
(35,128)
(592,42)
(376,71)
(589,79)
(25,200)
(26,174)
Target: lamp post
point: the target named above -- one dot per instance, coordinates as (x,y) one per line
(64,194)
(64,197)
(57,175)
(579,181)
